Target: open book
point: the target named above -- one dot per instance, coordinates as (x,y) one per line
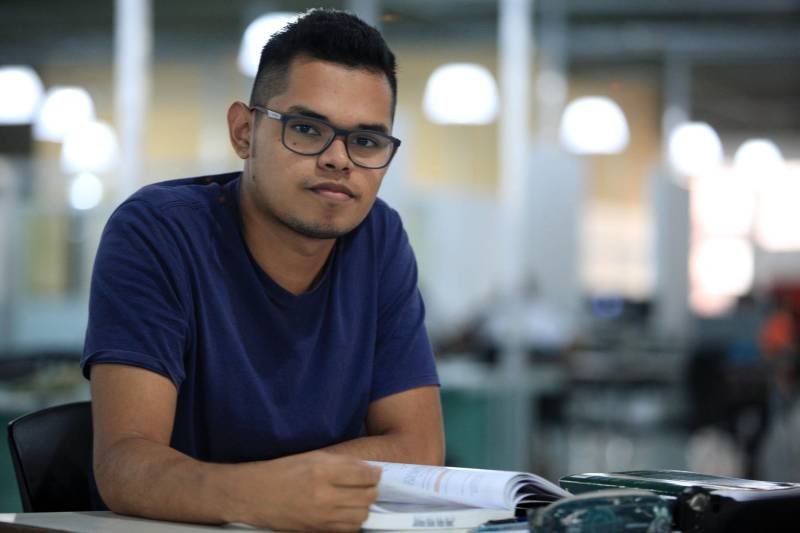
(436,497)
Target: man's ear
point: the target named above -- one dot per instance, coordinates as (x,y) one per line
(239,128)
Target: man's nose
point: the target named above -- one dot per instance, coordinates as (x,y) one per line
(335,156)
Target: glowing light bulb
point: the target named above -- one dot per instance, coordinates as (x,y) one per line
(90,147)
(694,149)
(20,94)
(85,191)
(256,36)
(758,161)
(63,108)
(594,125)
(461,93)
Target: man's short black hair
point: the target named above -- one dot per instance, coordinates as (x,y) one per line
(327,35)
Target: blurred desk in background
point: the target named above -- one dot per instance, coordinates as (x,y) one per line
(478,399)
(587,411)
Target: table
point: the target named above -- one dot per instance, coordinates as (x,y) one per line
(101,521)
(109,522)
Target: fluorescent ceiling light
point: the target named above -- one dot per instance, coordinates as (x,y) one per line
(594,125)
(20,94)
(777,217)
(461,93)
(758,161)
(63,108)
(85,191)
(711,305)
(723,266)
(722,205)
(256,36)
(90,147)
(694,149)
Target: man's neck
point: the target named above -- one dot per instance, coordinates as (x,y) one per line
(293,261)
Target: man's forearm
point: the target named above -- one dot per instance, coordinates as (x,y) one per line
(140,477)
(398,448)
(314,491)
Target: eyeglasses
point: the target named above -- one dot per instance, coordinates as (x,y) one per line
(312,136)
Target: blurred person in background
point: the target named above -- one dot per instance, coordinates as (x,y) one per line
(779,453)
(254,336)
(780,345)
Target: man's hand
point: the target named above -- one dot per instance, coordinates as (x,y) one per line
(315,491)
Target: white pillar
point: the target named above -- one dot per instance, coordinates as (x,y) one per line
(551,83)
(671,212)
(515,58)
(555,180)
(132,63)
(513,418)
(555,206)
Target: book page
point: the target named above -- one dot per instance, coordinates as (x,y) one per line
(395,507)
(428,484)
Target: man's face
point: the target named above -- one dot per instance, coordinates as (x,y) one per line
(322,196)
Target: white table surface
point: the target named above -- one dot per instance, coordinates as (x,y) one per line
(106,521)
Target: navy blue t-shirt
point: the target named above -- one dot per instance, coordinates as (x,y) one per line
(260,372)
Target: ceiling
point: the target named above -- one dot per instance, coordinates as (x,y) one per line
(742,56)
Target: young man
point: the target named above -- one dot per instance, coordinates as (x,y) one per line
(253,336)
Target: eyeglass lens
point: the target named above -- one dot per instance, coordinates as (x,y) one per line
(309,137)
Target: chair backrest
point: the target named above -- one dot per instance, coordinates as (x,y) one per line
(52,454)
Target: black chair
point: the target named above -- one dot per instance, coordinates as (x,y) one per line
(52,454)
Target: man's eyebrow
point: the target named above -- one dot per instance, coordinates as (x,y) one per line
(306,112)
(380,128)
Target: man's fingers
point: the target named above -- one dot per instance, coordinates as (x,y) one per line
(356,497)
(342,527)
(358,474)
(348,519)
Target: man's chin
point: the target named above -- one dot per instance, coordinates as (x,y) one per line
(318,231)
(321,234)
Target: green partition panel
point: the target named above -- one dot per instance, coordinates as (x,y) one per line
(9,494)
(466,415)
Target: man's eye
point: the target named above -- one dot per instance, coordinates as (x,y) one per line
(366,141)
(305,129)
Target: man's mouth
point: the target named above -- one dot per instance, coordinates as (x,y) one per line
(333,191)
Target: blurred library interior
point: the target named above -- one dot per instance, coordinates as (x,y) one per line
(601,194)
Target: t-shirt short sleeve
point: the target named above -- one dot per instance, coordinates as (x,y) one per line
(138,309)
(403,354)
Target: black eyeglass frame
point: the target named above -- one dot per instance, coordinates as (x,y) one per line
(337,132)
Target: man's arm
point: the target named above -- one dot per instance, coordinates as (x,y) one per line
(138,473)
(405,428)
